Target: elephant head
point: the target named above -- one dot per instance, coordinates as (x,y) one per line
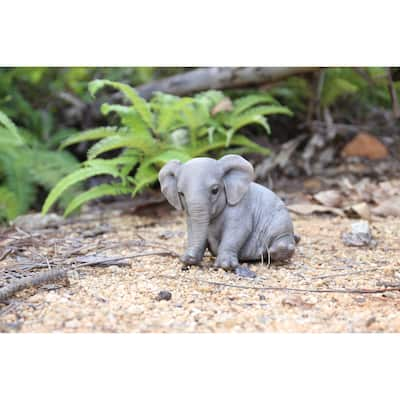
(203,187)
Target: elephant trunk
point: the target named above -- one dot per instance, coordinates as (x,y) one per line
(198,223)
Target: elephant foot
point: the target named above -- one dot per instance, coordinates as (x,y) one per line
(282,249)
(226,261)
(190,259)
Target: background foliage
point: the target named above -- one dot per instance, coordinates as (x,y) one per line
(43,107)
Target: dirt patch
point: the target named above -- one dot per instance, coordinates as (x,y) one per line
(153,294)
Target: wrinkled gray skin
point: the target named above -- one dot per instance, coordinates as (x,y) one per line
(237,219)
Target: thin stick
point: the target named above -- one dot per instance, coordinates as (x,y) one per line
(344,274)
(110,260)
(38,279)
(55,274)
(277,288)
(393,94)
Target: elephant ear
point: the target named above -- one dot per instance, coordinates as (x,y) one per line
(238,174)
(168,181)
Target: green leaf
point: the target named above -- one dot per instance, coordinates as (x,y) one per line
(240,122)
(256,111)
(138,102)
(237,140)
(94,193)
(145,176)
(144,143)
(18,176)
(246,102)
(8,204)
(72,179)
(168,155)
(11,130)
(92,134)
(249,146)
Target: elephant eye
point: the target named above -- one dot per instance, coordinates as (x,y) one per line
(181,194)
(214,190)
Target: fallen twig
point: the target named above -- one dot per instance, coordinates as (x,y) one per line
(37,279)
(393,94)
(289,289)
(344,274)
(115,259)
(52,275)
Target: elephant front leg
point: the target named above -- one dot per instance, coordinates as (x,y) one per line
(229,248)
(195,248)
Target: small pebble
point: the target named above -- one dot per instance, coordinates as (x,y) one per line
(164,295)
(245,272)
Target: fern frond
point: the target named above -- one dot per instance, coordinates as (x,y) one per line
(129,116)
(145,176)
(246,102)
(238,140)
(48,167)
(17,176)
(140,105)
(168,155)
(10,133)
(95,193)
(262,110)
(8,204)
(91,134)
(244,120)
(74,178)
(210,98)
(143,142)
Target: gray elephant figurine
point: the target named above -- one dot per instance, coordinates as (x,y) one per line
(237,219)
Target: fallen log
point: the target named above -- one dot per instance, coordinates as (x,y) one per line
(219,78)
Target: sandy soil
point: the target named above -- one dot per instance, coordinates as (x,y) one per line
(124,298)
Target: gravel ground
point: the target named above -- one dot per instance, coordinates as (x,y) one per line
(127,298)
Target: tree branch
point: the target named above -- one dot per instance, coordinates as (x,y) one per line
(219,78)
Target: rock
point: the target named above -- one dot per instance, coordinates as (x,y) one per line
(114,269)
(370,321)
(297,301)
(164,295)
(245,272)
(32,222)
(359,236)
(365,145)
(72,324)
(166,235)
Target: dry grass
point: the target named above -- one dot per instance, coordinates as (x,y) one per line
(124,298)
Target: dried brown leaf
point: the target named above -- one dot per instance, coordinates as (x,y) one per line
(308,209)
(329,198)
(390,207)
(359,210)
(365,145)
(224,105)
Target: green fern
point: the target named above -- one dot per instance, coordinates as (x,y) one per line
(27,165)
(139,104)
(246,102)
(144,143)
(8,204)
(165,128)
(74,178)
(95,193)
(10,133)
(92,134)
